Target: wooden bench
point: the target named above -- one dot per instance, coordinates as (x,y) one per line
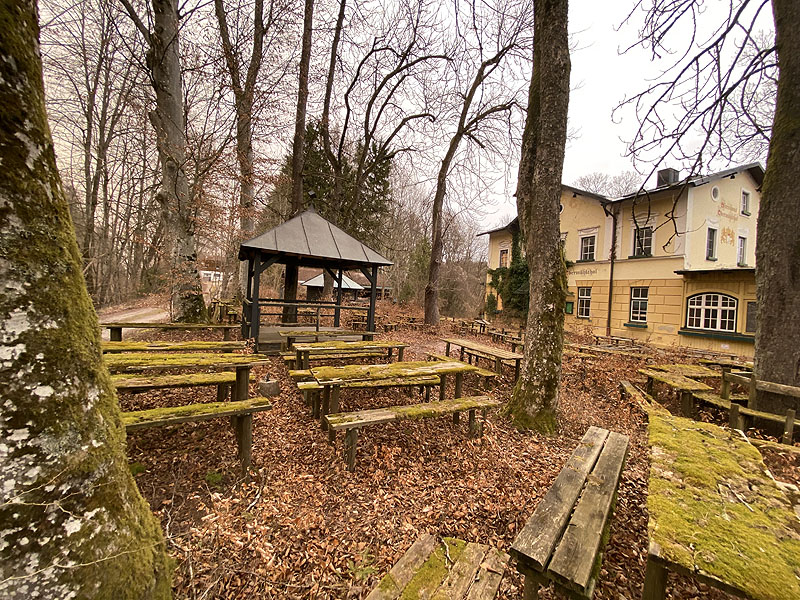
(241,414)
(323,404)
(444,568)
(353,421)
(488,376)
(563,540)
(290,358)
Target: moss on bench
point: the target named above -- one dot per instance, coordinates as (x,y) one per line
(119,362)
(137,382)
(410,412)
(109,347)
(155,417)
(715,512)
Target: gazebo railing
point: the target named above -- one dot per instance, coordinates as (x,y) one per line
(251,325)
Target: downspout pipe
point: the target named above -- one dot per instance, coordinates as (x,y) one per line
(613,213)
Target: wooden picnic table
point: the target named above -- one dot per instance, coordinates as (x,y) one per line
(727,364)
(687,370)
(241,365)
(112,347)
(115,329)
(290,336)
(500,356)
(685,386)
(332,379)
(334,347)
(715,514)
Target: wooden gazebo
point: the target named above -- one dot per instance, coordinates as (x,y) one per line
(306,240)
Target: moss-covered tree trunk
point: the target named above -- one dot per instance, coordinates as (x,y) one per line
(778,245)
(535,398)
(72,522)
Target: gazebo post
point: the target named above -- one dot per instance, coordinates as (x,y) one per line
(255,308)
(373,292)
(290,280)
(337,310)
(248,297)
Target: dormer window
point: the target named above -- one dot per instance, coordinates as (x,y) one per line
(745,208)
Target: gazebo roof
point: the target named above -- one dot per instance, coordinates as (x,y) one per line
(312,241)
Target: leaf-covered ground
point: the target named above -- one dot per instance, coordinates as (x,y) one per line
(301,526)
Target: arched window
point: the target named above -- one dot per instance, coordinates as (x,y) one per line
(711,311)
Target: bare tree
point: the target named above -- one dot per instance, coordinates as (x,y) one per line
(74,523)
(535,398)
(484,100)
(613,186)
(169,122)
(298,145)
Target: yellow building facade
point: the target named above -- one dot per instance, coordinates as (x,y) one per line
(682,269)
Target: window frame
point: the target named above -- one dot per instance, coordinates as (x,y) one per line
(584,302)
(707,310)
(636,231)
(503,251)
(638,302)
(744,203)
(741,251)
(593,237)
(711,237)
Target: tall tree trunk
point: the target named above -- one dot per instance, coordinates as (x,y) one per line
(169,122)
(535,399)
(778,246)
(437,239)
(244,92)
(73,522)
(290,278)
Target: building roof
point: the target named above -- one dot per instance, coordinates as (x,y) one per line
(319,281)
(755,170)
(314,242)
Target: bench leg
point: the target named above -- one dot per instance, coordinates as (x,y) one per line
(427,393)
(350,443)
(459,384)
(315,404)
(222,392)
(687,404)
(531,589)
(456,418)
(242,388)
(115,334)
(400,354)
(498,366)
(244,437)
(655,581)
(442,387)
(788,427)
(734,420)
(649,386)
(226,334)
(472,429)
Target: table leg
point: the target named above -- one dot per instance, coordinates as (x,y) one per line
(306,359)
(242,389)
(222,392)
(298,360)
(461,354)
(459,384)
(472,428)
(447,349)
(400,352)
(655,581)
(498,366)
(226,334)
(442,386)
(115,334)
(244,438)
(389,355)
(326,399)
(516,370)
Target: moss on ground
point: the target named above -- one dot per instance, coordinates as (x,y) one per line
(714,510)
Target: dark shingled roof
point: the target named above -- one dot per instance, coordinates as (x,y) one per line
(308,235)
